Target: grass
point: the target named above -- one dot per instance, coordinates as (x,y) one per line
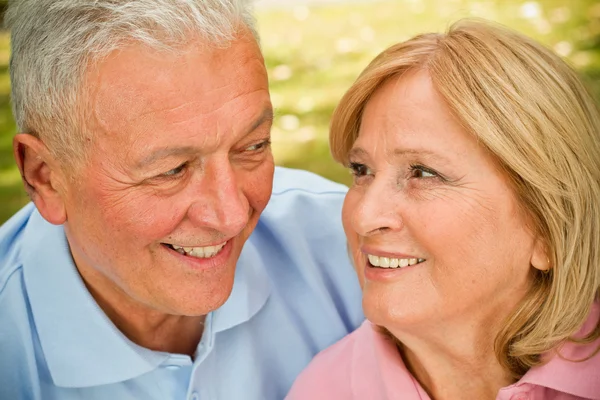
(314,53)
(12,195)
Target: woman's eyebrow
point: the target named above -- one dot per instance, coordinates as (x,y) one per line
(403,152)
(357,152)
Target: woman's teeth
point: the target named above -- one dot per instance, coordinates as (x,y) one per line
(199,252)
(386,262)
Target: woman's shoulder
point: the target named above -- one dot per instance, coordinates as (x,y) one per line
(363,365)
(572,369)
(329,374)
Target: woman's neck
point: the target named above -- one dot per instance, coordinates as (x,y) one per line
(454,363)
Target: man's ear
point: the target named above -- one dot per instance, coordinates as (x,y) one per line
(540,258)
(41,175)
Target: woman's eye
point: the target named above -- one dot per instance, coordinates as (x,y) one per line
(419,171)
(359,170)
(175,171)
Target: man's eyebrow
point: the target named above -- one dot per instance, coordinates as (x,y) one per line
(267,115)
(165,152)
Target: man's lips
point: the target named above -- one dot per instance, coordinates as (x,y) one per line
(213,258)
(198,251)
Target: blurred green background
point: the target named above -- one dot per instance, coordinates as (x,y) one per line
(315,49)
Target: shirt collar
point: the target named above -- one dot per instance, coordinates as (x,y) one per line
(378,370)
(581,378)
(251,287)
(81,345)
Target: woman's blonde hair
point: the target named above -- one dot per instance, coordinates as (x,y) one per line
(532,112)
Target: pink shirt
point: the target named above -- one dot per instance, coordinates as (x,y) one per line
(365,365)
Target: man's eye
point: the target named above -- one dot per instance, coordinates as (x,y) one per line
(419,171)
(359,170)
(259,146)
(175,171)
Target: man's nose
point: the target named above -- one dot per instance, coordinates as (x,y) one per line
(221,203)
(378,209)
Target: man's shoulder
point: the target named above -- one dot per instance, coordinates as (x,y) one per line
(306,201)
(16,335)
(15,316)
(300,244)
(11,237)
(304,217)
(18,367)
(291,181)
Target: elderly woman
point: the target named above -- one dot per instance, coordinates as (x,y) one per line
(473,224)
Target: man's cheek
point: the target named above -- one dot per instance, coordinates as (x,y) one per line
(148,216)
(259,191)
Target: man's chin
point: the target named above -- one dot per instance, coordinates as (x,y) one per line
(204,299)
(195,287)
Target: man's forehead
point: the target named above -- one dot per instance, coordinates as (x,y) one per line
(137,81)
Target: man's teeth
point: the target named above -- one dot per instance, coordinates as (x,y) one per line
(386,262)
(199,252)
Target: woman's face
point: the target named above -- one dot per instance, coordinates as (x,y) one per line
(435,229)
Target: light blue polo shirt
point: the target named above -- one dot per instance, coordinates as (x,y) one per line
(295,293)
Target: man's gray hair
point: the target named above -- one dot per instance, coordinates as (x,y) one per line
(53,43)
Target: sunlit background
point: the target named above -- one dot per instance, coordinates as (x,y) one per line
(315,49)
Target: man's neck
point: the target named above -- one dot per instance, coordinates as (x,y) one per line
(144,326)
(159,332)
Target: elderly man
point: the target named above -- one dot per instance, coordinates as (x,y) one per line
(148,265)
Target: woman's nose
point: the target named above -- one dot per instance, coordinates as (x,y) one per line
(378,209)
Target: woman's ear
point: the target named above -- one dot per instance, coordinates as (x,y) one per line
(540,258)
(40,173)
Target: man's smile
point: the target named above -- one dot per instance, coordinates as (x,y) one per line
(198,251)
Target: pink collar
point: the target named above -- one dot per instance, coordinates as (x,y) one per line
(390,377)
(577,378)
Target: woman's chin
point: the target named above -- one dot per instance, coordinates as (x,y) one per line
(391,310)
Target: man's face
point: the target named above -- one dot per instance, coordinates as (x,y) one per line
(180,170)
